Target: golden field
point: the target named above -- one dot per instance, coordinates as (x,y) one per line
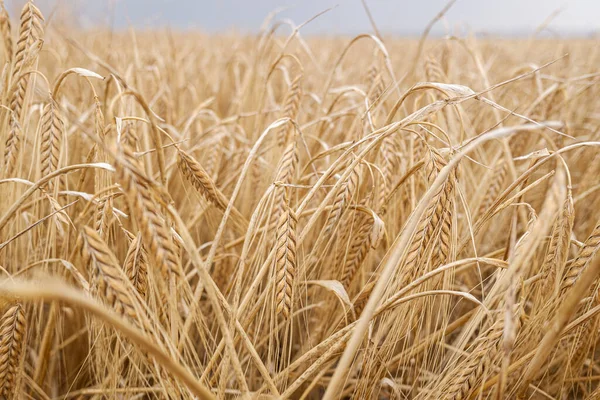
(277,216)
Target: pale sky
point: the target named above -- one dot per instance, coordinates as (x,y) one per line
(392,16)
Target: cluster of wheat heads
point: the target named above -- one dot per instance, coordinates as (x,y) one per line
(272,216)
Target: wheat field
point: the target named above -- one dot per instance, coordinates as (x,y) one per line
(191,216)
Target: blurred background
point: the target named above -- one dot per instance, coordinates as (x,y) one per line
(398,17)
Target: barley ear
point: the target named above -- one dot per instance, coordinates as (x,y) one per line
(12,346)
(285,262)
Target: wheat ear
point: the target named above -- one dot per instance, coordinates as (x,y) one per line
(31,33)
(284,176)
(52,128)
(358,249)
(11,148)
(497,180)
(155,232)
(465,376)
(342,198)
(193,171)
(109,280)
(285,262)
(5,28)
(290,109)
(585,255)
(136,266)
(12,343)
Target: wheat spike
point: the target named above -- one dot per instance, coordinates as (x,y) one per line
(52,128)
(494,188)
(585,255)
(423,232)
(31,33)
(5,28)
(155,232)
(390,162)
(136,266)
(375,84)
(433,70)
(284,175)
(11,148)
(290,109)
(129,136)
(358,249)
(109,280)
(447,205)
(12,345)
(465,376)
(430,220)
(285,262)
(341,200)
(558,248)
(102,216)
(193,171)
(292,101)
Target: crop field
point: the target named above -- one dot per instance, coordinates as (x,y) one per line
(280,216)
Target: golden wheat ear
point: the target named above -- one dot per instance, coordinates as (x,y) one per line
(6,31)
(136,265)
(31,38)
(11,147)
(12,346)
(193,171)
(285,262)
(108,279)
(156,234)
(52,133)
